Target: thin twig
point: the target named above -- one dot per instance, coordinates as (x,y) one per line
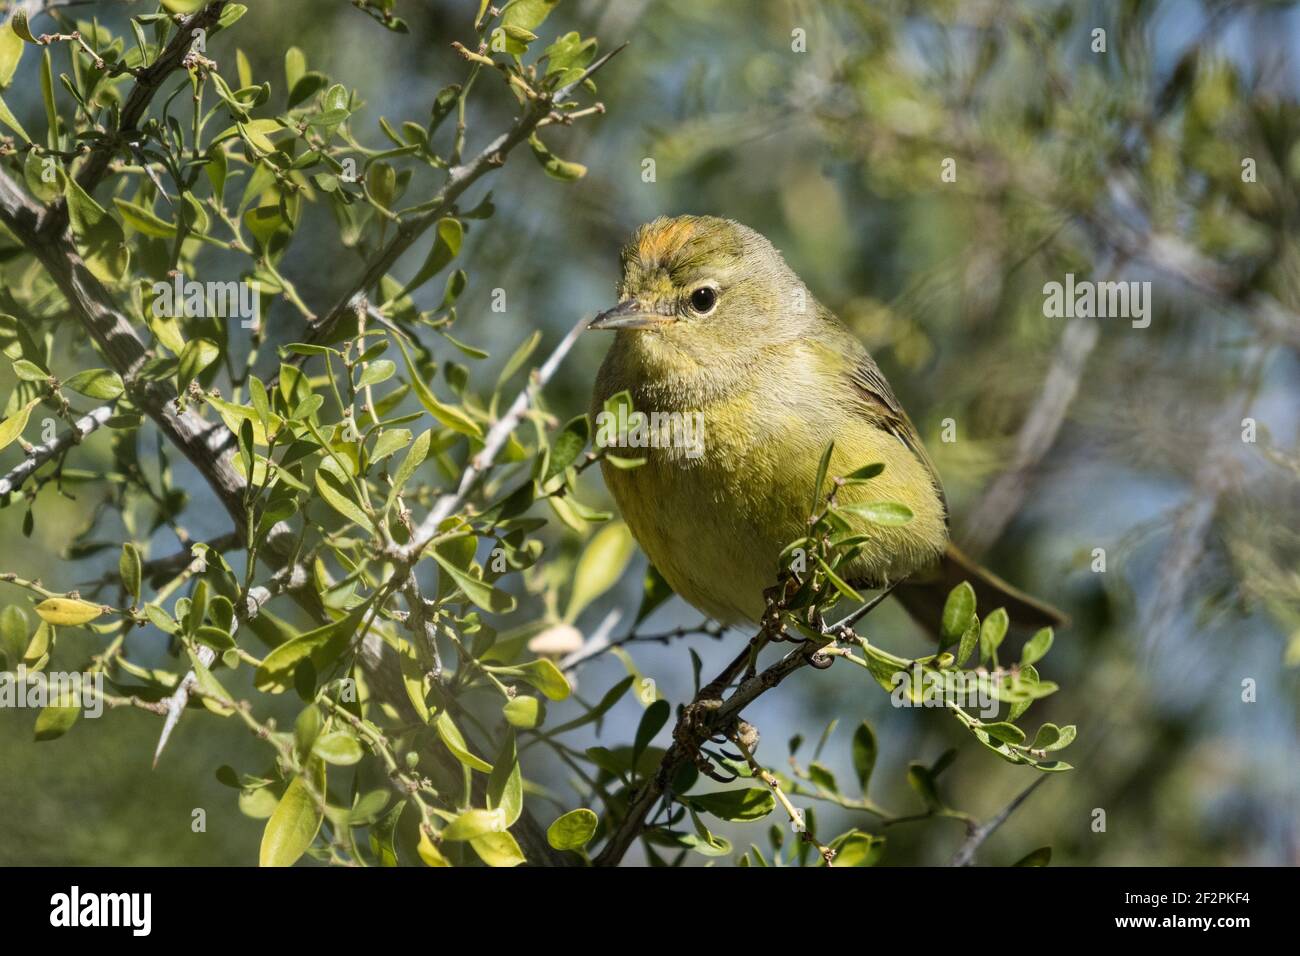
(40,454)
(496,439)
(965,854)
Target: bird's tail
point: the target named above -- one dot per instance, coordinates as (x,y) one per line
(923,594)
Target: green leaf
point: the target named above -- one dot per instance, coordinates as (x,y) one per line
(922,781)
(99,236)
(527,14)
(750,803)
(652,721)
(992,631)
(524,712)
(258,132)
(382,835)
(197,355)
(98,383)
(1052,737)
(1036,647)
(390,441)
(858,849)
(654,591)
(429,852)
(53,722)
(376,372)
(29,371)
(864,754)
(884,513)
(448,237)
(321,646)
(1005,732)
(419,451)
(555,167)
(822,467)
(573,830)
(479,592)
(339,497)
(505,787)
(568,445)
(338,747)
(472,823)
(294,824)
(836,582)
(143,220)
(1040,857)
(37,175)
(129,569)
(865,473)
(969,639)
(520,356)
(821,776)
(452,738)
(452,417)
(295,65)
(569,55)
(546,677)
(958,610)
(601,565)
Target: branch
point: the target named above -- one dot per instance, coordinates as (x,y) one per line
(965,854)
(148,81)
(497,436)
(286,579)
(409,230)
(461,178)
(629,828)
(175,563)
(40,454)
(110,327)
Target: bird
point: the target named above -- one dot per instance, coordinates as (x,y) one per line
(712,325)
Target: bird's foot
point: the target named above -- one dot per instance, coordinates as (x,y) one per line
(700,724)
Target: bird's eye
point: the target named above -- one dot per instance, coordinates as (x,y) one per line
(704,299)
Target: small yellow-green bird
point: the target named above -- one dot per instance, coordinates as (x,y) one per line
(711,322)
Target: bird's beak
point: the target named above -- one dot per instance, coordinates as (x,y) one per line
(629,314)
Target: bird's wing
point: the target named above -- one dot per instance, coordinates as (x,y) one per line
(879,401)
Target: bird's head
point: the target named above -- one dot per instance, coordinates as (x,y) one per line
(704,293)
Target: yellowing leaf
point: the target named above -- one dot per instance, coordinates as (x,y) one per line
(498,849)
(68,612)
(573,830)
(429,851)
(8,119)
(13,426)
(11,51)
(294,824)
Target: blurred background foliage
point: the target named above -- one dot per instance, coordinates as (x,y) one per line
(1126,163)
